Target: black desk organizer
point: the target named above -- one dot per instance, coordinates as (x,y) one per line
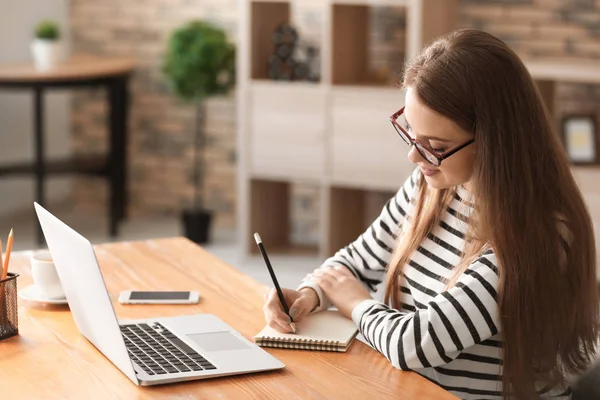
(9,321)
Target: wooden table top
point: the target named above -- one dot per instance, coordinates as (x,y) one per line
(50,359)
(79,67)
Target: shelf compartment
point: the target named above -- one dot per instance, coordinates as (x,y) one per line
(272,217)
(269,213)
(287,128)
(266,16)
(351,212)
(366,150)
(362,56)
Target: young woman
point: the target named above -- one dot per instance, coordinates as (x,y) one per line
(488,248)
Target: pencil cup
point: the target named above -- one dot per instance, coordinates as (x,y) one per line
(8,307)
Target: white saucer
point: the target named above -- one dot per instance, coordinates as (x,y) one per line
(32,293)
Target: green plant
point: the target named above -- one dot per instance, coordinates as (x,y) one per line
(47,30)
(199,62)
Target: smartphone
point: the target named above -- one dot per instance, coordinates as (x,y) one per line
(158,297)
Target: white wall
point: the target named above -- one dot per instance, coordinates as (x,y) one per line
(17,21)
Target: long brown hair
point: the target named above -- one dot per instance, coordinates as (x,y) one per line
(528,208)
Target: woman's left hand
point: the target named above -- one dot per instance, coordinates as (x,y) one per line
(341,287)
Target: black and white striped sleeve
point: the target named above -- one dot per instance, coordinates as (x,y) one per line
(453,320)
(368,256)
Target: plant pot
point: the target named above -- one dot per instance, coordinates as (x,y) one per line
(47,54)
(196,224)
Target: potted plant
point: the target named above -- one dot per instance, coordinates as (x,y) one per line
(199,62)
(46,47)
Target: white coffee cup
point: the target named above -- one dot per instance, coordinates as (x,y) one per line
(45,277)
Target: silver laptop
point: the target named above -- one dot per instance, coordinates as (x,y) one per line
(149,351)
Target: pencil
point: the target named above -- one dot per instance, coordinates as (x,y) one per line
(274,278)
(1,260)
(2,302)
(7,257)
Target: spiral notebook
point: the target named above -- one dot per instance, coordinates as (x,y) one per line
(326,330)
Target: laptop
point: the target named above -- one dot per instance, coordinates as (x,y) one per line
(148,351)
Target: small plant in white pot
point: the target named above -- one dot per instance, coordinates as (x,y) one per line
(46,47)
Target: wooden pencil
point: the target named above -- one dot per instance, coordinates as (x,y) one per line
(7,257)
(1,259)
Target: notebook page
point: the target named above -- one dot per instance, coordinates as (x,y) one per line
(326,325)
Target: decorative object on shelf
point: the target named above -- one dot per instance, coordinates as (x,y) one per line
(46,48)
(579,136)
(382,75)
(292,59)
(308,64)
(200,62)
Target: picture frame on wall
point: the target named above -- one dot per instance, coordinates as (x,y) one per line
(580,138)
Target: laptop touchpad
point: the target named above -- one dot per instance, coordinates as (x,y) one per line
(218,341)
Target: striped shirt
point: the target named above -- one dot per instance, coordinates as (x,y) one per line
(450,337)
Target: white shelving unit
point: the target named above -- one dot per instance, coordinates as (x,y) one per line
(334,134)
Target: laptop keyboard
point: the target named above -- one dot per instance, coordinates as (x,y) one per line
(158,351)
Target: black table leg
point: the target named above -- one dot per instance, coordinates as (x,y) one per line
(40,169)
(118,98)
(124,146)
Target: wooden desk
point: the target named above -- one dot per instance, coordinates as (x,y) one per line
(50,359)
(78,71)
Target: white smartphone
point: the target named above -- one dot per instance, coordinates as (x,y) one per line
(158,297)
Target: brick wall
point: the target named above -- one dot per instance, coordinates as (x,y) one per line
(161,126)
(546,29)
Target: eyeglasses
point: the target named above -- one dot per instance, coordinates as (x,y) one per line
(432,156)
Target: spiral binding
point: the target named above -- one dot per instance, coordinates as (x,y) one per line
(297,344)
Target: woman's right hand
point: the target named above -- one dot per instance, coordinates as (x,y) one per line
(299,302)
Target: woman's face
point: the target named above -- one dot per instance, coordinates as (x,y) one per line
(442,135)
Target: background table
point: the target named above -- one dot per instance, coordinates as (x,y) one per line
(79,71)
(50,359)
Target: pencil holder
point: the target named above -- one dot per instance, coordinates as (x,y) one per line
(8,307)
